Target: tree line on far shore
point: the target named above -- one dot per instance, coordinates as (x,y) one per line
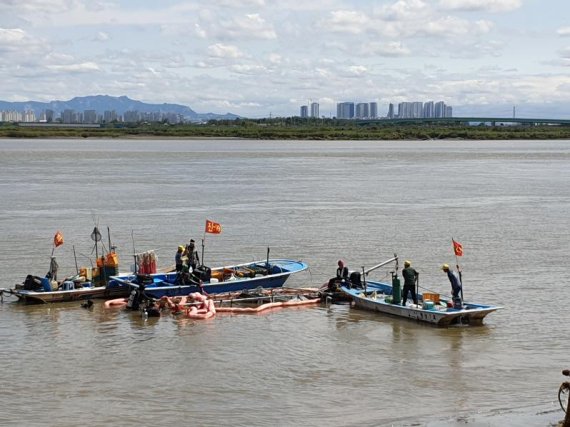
(295,129)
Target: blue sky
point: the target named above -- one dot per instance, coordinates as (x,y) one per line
(260,57)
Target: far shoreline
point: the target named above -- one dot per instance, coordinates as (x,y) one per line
(291,130)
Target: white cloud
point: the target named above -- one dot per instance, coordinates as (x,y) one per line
(220,50)
(357,70)
(346,21)
(403,10)
(75,68)
(481,5)
(564,31)
(252,25)
(390,49)
(11,35)
(101,37)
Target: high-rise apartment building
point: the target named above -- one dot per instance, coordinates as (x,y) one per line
(90,116)
(429,110)
(304,111)
(362,110)
(439,109)
(373,110)
(315,109)
(345,110)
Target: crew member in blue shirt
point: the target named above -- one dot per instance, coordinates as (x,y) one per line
(455,284)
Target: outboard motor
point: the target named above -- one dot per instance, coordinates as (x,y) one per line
(33,283)
(355,279)
(203,273)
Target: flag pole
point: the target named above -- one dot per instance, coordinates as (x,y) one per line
(203,244)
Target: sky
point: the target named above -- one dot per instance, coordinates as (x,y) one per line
(266,58)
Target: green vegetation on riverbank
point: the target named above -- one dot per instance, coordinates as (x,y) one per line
(293,128)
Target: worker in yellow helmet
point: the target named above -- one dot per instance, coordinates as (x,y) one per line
(410,276)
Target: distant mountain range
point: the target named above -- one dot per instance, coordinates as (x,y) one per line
(102,103)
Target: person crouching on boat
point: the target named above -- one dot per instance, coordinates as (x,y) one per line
(455,285)
(178,260)
(410,276)
(341,276)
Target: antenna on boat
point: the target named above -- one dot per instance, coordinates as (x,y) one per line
(134,250)
(268,269)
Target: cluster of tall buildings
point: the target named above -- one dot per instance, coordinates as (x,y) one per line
(361,110)
(420,110)
(314,110)
(369,110)
(89,117)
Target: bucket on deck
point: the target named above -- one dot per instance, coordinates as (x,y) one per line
(68,285)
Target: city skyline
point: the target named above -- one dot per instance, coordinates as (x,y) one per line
(256,58)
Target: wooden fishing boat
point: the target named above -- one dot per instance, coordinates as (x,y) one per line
(271,273)
(71,291)
(431,308)
(87,284)
(377,296)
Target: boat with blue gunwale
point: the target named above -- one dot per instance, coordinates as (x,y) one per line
(385,298)
(267,274)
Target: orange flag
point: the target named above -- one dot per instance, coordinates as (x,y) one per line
(457,248)
(213,227)
(58,239)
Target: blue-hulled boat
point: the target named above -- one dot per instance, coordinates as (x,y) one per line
(431,308)
(272,273)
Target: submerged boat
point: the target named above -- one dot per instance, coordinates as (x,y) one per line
(271,273)
(431,308)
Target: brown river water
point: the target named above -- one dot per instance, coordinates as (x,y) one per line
(507,202)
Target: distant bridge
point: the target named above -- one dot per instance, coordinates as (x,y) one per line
(493,121)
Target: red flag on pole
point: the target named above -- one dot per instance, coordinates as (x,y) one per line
(58,239)
(457,248)
(213,227)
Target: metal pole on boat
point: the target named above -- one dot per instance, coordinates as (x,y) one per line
(380,265)
(364,278)
(267,264)
(202,260)
(75,257)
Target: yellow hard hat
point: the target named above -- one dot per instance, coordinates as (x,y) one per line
(180,248)
(407,263)
(445,267)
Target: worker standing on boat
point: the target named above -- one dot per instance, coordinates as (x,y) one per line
(410,276)
(178,259)
(192,254)
(455,285)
